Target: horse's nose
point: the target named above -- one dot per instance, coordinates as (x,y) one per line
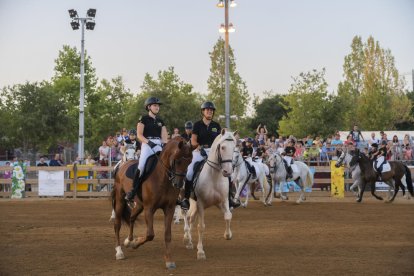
(225,172)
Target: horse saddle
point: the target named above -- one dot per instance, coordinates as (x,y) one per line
(198,166)
(295,168)
(149,167)
(251,169)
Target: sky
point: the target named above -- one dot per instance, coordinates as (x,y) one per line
(274,40)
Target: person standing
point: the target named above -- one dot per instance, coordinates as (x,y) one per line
(356,133)
(152,134)
(204,133)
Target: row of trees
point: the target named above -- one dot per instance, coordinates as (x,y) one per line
(42,114)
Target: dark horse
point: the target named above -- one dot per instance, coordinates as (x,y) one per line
(392,178)
(158,191)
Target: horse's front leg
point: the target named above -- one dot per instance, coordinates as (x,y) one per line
(201,255)
(149,219)
(227,218)
(373,191)
(392,186)
(189,219)
(168,217)
(129,241)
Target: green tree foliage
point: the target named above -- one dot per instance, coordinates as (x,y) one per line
(107,111)
(312,110)
(372,93)
(269,111)
(239,95)
(36,116)
(180,102)
(66,83)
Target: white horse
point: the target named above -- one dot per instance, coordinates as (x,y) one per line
(242,177)
(301,175)
(212,189)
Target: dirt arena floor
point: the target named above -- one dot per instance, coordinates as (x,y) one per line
(324,236)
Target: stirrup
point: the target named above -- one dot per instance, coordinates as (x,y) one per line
(185,204)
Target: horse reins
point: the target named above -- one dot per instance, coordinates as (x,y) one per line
(218,166)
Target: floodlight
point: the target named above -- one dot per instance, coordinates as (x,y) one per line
(90,25)
(220,4)
(91,12)
(233,3)
(73,13)
(75,25)
(222,29)
(231,28)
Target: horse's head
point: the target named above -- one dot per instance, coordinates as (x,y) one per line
(179,156)
(222,152)
(341,159)
(355,157)
(130,154)
(237,158)
(274,160)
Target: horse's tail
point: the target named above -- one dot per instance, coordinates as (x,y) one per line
(115,170)
(309,179)
(409,180)
(126,212)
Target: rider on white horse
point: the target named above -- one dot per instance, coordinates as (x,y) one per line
(131,142)
(153,134)
(246,152)
(203,135)
(288,157)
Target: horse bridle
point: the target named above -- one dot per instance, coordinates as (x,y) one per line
(171,172)
(237,163)
(276,163)
(218,166)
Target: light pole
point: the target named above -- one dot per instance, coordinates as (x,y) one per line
(226,28)
(90,25)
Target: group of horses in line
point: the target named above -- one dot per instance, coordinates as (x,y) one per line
(161,188)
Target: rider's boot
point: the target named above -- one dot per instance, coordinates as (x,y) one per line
(289,172)
(185,203)
(233,202)
(129,197)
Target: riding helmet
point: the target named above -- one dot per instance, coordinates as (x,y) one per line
(188,125)
(150,101)
(208,105)
(250,140)
(374,145)
(133,132)
(383,142)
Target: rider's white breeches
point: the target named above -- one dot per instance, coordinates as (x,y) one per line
(379,162)
(288,159)
(147,151)
(196,158)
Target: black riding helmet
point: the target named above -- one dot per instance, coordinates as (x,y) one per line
(150,101)
(208,105)
(133,132)
(188,125)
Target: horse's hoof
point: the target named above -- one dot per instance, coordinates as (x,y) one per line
(201,256)
(189,246)
(228,236)
(120,256)
(170,265)
(176,222)
(358,200)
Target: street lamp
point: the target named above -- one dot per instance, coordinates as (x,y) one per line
(89,22)
(226,28)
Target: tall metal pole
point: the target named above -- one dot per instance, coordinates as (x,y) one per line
(226,68)
(412,76)
(82,96)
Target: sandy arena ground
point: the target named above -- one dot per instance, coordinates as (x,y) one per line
(324,236)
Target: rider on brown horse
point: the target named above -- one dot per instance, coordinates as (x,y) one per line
(153,134)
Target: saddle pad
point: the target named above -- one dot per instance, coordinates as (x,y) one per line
(386,167)
(295,168)
(149,167)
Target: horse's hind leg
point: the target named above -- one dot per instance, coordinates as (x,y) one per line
(189,220)
(119,207)
(396,186)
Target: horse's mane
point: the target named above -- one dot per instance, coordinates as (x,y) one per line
(186,149)
(220,138)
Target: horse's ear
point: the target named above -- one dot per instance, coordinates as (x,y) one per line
(223,130)
(236,132)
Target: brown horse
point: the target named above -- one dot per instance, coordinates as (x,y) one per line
(158,191)
(392,178)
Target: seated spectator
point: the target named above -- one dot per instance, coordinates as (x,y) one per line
(312,153)
(55,162)
(104,153)
(408,153)
(176,133)
(309,141)
(336,141)
(349,140)
(42,163)
(89,160)
(300,149)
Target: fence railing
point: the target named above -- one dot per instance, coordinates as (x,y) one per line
(96,181)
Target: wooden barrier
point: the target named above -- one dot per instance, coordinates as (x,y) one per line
(95,183)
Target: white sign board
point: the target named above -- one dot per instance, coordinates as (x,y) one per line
(51,183)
